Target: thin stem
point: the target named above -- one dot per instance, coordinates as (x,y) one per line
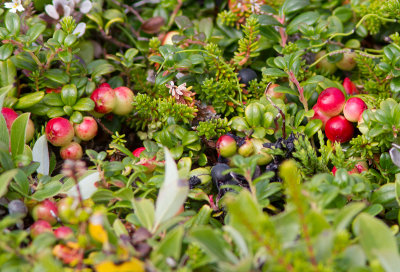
(280,112)
(294,80)
(174,13)
(354,29)
(129,8)
(341,51)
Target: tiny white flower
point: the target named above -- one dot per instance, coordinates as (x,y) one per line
(80,29)
(14,6)
(59,7)
(85,6)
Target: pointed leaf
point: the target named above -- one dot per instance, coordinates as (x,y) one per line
(172,194)
(40,154)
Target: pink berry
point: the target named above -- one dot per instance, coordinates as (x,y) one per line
(226,146)
(338,129)
(124,99)
(349,86)
(72,151)
(59,131)
(87,129)
(354,108)
(30,131)
(104,99)
(63,233)
(331,101)
(9,115)
(39,227)
(320,115)
(46,210)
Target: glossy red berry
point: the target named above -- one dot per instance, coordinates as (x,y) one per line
(320,115)
(72,151)
(104,99)
(226,146)
(40,227)
(63,232)
(46,210)
(339,129)
(354,108)
(59,131)
(124,99)
(349,87)
(331,101)
(87,129)
(9,115)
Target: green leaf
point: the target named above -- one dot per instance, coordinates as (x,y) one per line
(84,104)
(57,75)
(307,18)
(377,241)
(35,31)
(395,85)
(29,100)
(144,211)
(69,94)
(70,40)
(290,6)
(8,75)
(53,99)
(49,190)
(343,13)
(18,129)
(5,180)
(156,59)
(183,22)
(12,23)
(344,217)
(172,194)
(275,72)
(4,136)
(268,20)
(312,127)
(76,117)
(213,244)
(5,51)
(171,245)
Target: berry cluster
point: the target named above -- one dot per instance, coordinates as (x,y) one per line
(330,104)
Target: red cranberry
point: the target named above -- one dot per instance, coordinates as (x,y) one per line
(104,99)
(226,146)
(59,131)
(87,129)
(9,115)
(331,101)
(46,210)
(320,115)
(124,99)
(63,233)
(354,108)
(338,129)
(72,151)
(349,86)
(40,227)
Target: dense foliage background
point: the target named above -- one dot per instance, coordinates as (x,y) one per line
(237,163)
